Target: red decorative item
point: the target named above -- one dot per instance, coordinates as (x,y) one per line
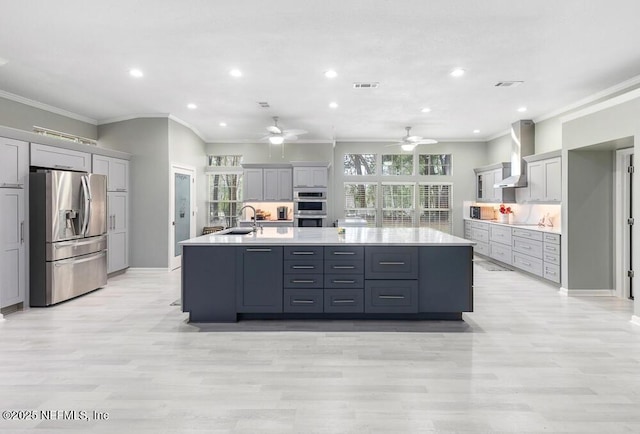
(505,209)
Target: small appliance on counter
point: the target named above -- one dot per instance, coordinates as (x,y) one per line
(282,213)
(482,212)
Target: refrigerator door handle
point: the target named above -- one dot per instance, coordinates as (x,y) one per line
(87,204)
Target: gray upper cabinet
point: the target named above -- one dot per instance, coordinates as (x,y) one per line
(310,176)
(60,158)
(544,178)
(252,184)
(116,170)
(14,164)
(487,177)
(268,183)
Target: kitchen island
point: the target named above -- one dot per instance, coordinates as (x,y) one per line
(297,273)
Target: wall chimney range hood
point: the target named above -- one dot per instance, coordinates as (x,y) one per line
(522,145)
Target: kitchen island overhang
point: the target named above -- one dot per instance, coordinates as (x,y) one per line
(317,273)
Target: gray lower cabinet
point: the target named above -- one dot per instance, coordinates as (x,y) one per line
(303,300)
(344,300)
(260,281)
(391,263)
(446,279)
(391,296)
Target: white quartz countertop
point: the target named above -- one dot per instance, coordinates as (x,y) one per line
(329,237)
(531,227)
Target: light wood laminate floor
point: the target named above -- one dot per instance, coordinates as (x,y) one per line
(528,360)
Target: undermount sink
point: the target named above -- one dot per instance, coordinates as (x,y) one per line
(235,231)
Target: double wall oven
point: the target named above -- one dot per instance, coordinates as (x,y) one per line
(310,207)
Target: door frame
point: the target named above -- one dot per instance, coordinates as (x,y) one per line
(621,211)
(176,261)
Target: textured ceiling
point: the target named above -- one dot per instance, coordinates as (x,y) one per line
(75,55)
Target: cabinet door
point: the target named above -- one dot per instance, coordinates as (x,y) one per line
(285,184)
(535,175)
(252,184)
(115,169)
(446,279)
(259,271)
(553,179)
(487,187)
(59,158)
(301,177)
(270,184)
(495,178)
(14,164)
(118,234)
(12,247)
(319,176)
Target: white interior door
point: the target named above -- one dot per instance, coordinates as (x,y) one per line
(182,224)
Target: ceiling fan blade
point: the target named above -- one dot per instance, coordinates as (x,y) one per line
(412,138)
(290,137)
(294,132)
(425,142)
(274,129)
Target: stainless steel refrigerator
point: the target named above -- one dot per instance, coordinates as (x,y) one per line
(68,235)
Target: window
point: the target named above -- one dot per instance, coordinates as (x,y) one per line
(225,189)
(360,201)
(435,206)
(359,164)
(397,164)
(434,164)
(397,205)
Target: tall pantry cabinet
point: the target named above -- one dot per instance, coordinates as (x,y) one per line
(117,172)
(14,174)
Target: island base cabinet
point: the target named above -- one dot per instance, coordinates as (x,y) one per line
(391,296)
(207,293)
(260,279)
(338,300)
(446,279)
(303,300)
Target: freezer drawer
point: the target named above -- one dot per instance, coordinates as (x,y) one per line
(70,278)
(69,249)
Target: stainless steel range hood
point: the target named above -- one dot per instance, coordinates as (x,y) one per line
(522,145)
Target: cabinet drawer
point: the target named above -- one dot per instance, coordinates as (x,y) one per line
(391,263)
(346,253)
(59,158)
(344,267)
(552,272)
(480,235)
(481,248)
(391,296)
(551,248)
(303,267)
(551,258)
(500,252)
(500,234)
(344,281)
(467,225)
(480,225)
(528,247)
(524,233)
(303,252)
(344,300)
(468,234)
(551,238)
(303,281)
(303,300)
(527,263)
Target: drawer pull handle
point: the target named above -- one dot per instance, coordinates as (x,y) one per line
(343,281)
(303,253)
(344,301)
(303,267)
(303,301)
(526,247)
(303,281)
(391,263)
(528,264)
(553,273)
(344,253)
(344,267)
(6,184)
(392,297)
(258,250)
(60,166)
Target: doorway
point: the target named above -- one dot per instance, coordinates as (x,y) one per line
(182,214)
(624,223)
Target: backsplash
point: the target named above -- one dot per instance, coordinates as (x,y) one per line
(270,208)
(525,213)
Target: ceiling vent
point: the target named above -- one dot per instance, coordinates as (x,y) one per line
(263,104)
(508,83)
(369,85)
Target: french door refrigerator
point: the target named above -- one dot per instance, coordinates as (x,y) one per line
(68,235)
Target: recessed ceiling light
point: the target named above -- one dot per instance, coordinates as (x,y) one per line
(223,124)
(235,73)
(458,72)
(333,105)
(330,73)
(522,109)
(192,106)
(3,61)
(425,110)
(476,131)
(137,73)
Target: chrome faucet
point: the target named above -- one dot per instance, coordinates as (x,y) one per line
(254,225)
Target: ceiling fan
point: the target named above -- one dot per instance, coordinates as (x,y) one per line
(277,135)
(409,142)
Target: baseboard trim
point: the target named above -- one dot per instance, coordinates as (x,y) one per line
(635,319)
(587,292)
(147,270)
(1,317)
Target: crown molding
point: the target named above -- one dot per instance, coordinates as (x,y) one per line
(254,141)
(46,107)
